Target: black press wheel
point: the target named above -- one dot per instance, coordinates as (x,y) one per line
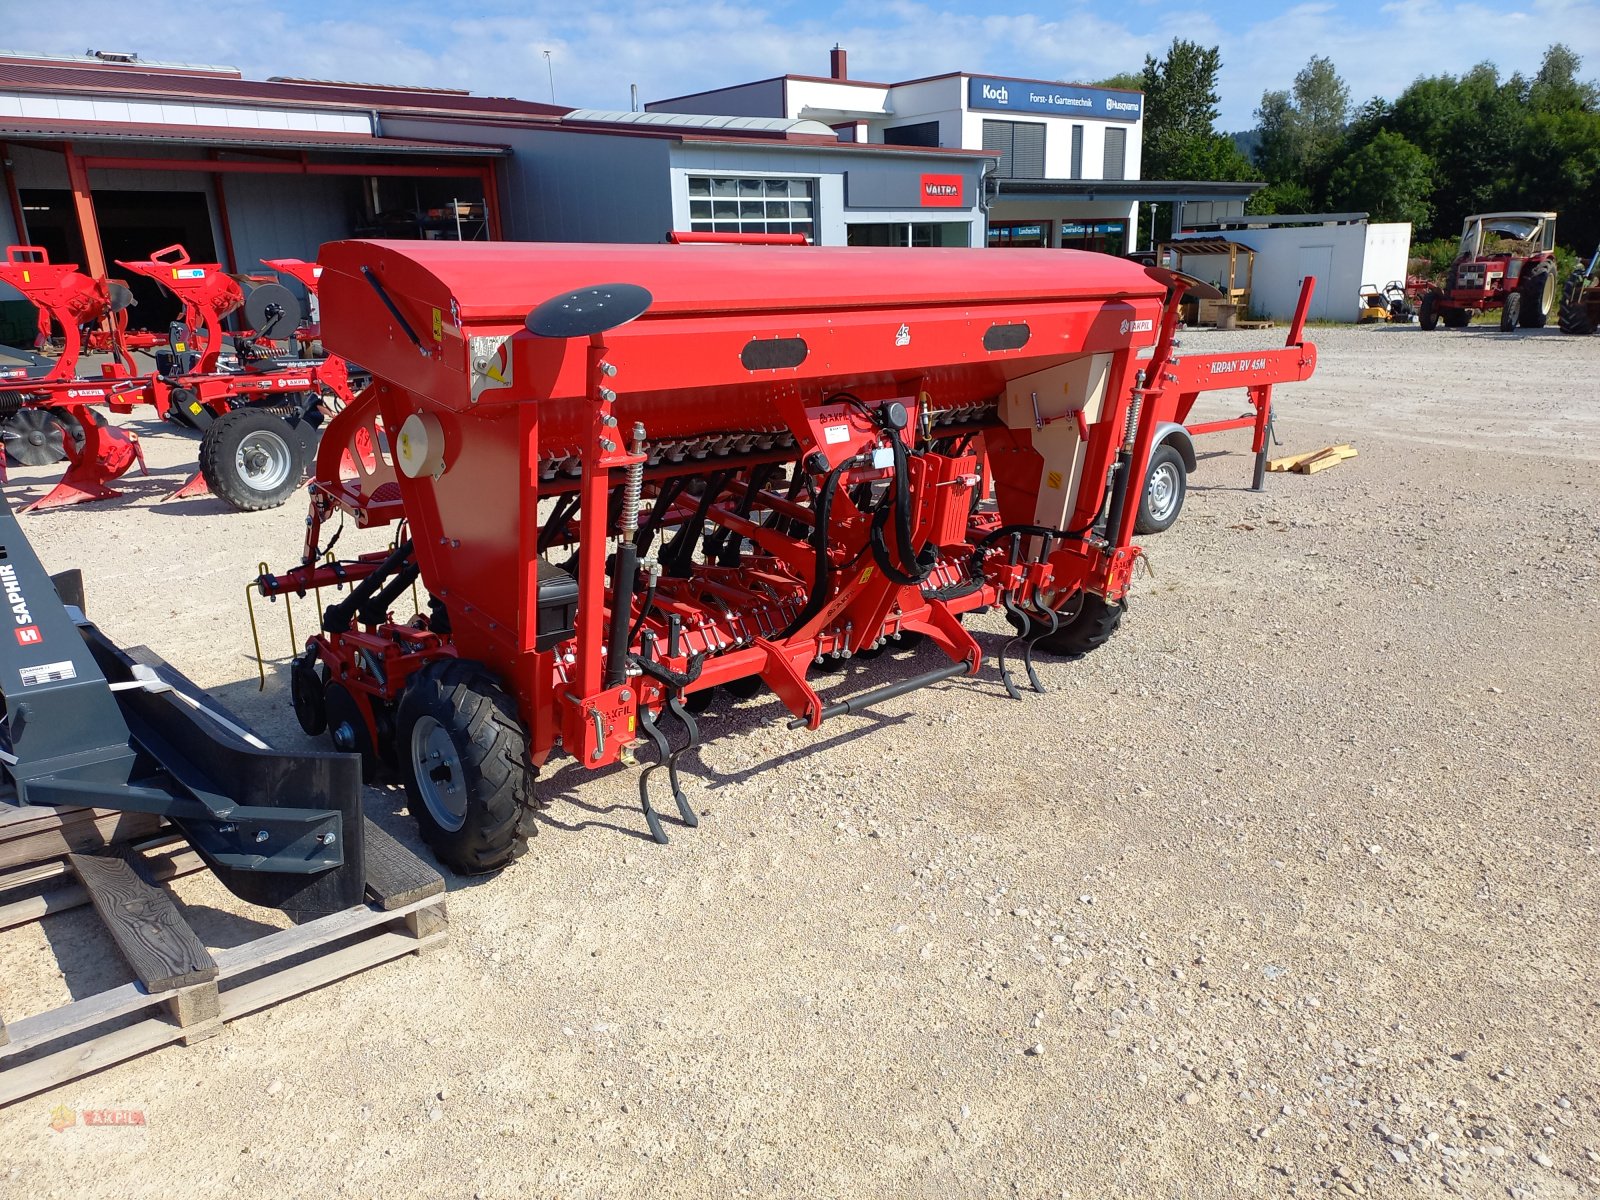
(1096,620)
(252,459)
(1166,482)
(348,729)
(1428,311)
(1538,291)
(464,757)
(308,680)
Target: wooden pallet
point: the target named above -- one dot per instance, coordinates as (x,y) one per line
(184,992)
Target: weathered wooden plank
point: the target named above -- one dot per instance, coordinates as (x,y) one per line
(47,841)
(27,1033)
(66,1065)
(146,925)
(34,908)
(299,938)
(318,972)
(425,923)
(1329,458)
(395,876)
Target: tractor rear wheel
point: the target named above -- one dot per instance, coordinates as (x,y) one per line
(463,754)
(1097,619)
(1538,290)
(1456,318)
(1428,311)
(1575,317)
(252,459)
(1510,312)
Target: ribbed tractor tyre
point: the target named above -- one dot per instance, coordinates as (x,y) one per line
(253,460)
(1428,312)
(1455,318)
(1575,317)
(1096,621)
(1538,291)
(463,755)
(1510,312)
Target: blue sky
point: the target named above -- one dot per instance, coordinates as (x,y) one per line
(599,47)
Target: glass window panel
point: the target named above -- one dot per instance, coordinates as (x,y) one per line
(799,208)
(726,208)
(778,187)
(799,187)
(699,187)
(778,209)
(751,187)
(752,209)
(700,209)
(700,226)
(724,187)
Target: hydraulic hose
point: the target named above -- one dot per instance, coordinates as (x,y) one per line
(823,576)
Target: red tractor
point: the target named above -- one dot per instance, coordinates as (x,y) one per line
(1506,261)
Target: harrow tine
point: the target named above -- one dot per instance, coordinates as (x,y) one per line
(1028,645)
(648,724)
(1026,625)
(676,708)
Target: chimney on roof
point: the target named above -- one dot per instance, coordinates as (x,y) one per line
(839,67)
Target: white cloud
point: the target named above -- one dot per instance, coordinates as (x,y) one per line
(495,47)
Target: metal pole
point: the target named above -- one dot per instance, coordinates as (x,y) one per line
(551,67)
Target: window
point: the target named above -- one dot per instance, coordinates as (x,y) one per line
(899,233)
(1106,237)
(1077,152)
(724,204)
(1019,233)
(924,133)
(1116,154)
(1021,147)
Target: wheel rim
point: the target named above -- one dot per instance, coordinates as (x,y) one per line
(437,769)
(1547,298)
(264,460)
(1163,491)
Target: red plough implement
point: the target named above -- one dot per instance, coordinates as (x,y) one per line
(47,406)
(629,476)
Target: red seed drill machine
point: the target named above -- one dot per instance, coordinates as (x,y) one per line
(628,475)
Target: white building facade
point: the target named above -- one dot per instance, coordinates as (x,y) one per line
(1039,131)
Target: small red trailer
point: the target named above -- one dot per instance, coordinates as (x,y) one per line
(628,475)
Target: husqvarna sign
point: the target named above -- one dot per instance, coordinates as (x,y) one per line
(1053,99)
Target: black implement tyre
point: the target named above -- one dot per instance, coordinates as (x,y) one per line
(1166,482)
(1428,311)
(1455,318)
(1510,311)
(251,459)
(1538,292)
(1092,628)
(308,680)
(464,757)
(1575,317)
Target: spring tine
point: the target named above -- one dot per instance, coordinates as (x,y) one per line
(255,635)
(294,642)
(1028,645)
(1026,624)
(648,724)
(676,708)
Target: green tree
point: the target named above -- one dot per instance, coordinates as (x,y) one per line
(1302,130)
(1180,114)
(1132,81)
(1388,178)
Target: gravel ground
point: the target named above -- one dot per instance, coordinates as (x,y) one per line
(1289,890)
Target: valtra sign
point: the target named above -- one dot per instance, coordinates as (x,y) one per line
(941,191)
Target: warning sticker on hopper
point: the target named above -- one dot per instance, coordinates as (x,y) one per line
(54,672)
